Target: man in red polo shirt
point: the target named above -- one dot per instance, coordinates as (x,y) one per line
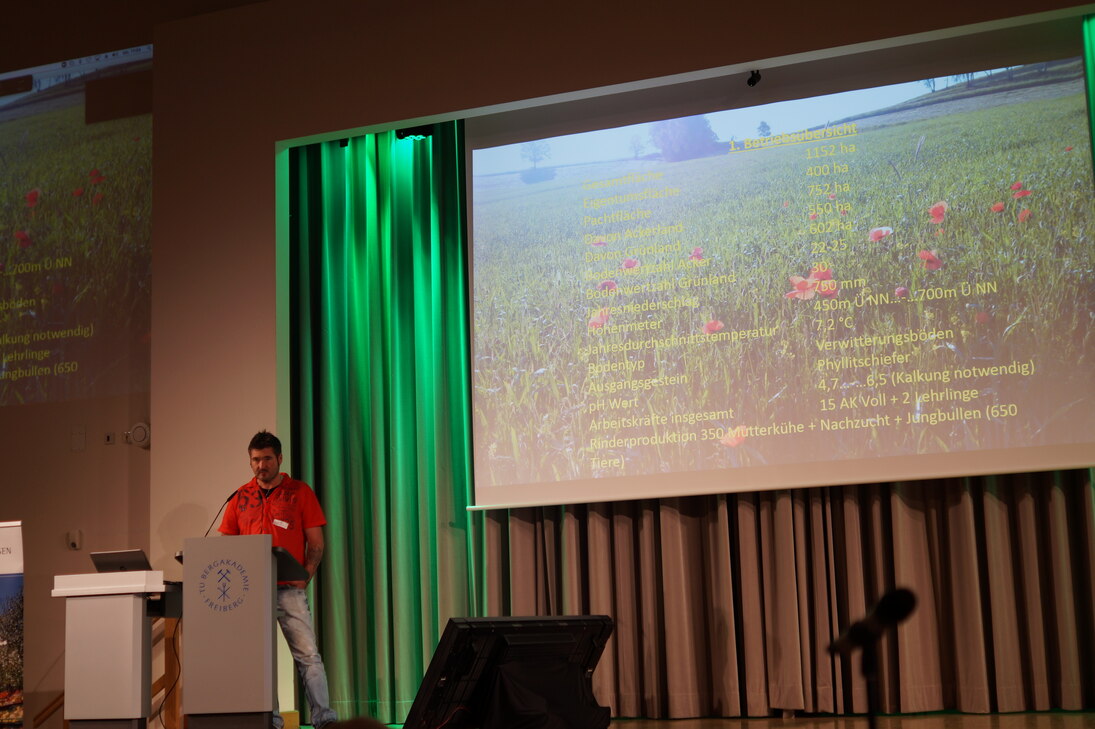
(287,509)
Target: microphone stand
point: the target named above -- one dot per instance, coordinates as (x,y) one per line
(869,669)
(891,609)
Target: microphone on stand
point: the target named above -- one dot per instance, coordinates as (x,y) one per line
(219,511)
(179,554)
(891,609)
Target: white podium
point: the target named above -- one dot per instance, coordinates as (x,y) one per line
(108,647)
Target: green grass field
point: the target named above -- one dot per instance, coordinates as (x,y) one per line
(1013,286)
(75,226)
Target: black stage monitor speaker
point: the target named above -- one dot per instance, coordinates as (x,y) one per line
(514,673)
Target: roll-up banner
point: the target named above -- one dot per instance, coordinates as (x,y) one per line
(11,624)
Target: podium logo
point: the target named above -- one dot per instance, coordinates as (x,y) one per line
(223,585)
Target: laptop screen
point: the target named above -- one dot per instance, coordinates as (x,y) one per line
(121,560)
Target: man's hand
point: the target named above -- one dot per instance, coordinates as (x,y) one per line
(313,553)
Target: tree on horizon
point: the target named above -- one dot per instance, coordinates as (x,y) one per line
(686,138)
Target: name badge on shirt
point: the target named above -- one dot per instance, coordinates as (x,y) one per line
(280,523)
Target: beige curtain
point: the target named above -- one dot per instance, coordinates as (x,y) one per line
(724,605)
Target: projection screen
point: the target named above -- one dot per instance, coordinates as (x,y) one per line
(882,284)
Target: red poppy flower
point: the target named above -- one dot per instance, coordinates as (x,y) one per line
(713,326)
(599,319)
(78,192)
(1016,186)
(697,254)
(997,207)
(832,196)
(843,212)
(820,281)
(24,238)
(901,292)
(598,243)
(608,285)
(96,176)
(803,288)
(1068,148)
(97,198)
(1024,215)
(877,234)
(629,263)
(733,438)
(931,260)
(32,197)
(938,212)
(1022,193)
(813,216)
(786,203)
(982,317)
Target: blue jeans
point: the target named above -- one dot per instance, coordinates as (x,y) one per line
(296,625)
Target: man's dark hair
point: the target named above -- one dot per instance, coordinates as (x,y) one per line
(264,439)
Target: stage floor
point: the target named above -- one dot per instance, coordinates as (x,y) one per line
(1045,720)
(1048,720)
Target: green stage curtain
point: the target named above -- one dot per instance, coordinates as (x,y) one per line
(1089,66)
(380,403)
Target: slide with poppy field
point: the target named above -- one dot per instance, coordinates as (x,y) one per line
(76,225)
(864,278)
